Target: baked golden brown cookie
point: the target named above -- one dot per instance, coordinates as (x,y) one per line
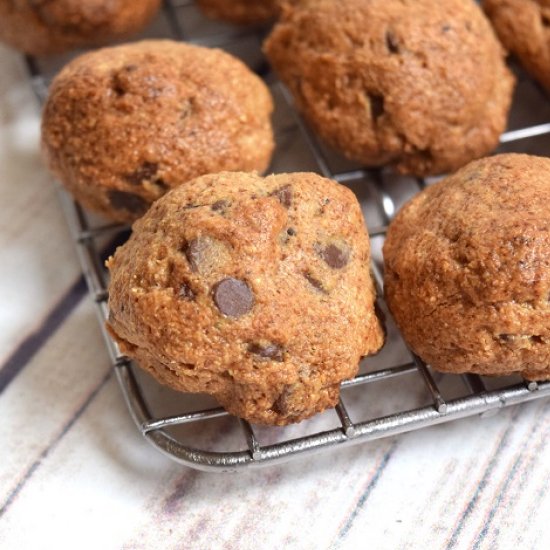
(468,269)
(51,26)
(523,26)
(240,12)
(421,85)
(123,125)
(256,291)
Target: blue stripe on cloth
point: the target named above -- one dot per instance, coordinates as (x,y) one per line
(34,341)
(515,469)
(68,425)
(365,495)
(28,348)
(483,482)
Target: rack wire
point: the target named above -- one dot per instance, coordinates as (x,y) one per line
(394,392)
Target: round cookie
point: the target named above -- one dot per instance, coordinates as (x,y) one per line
(240,12)
(256,291)
(387,81)
(123,125)
(54,26)
(523,26)
(467,269)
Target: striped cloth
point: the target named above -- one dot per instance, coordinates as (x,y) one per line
(75,473)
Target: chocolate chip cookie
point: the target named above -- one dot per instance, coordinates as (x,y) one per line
(523,26)
(240,12)
(468,269)
(256,291)
(123,125)
(41,27)
(421,85)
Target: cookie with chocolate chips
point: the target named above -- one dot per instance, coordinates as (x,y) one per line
(40,27)
(467,269)
(123,125)
(523,26)
(240,12)
(254,290)
(420,85)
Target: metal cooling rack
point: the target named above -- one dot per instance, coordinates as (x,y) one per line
(394,392)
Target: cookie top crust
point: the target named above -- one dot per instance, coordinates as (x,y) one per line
(468,268)
(240,12)
(396,81)
(42,27)
(523,26)
(256,290)
(123,125)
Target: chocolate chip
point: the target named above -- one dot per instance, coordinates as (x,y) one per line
(220,205)
(121,200)
(187,108)
(194,252)
(186,292)
(376,106)
(391,42)
(545,20)
(284,194)
(233,297)
(282,404)
(315,282)
(291,231)
(118,89)
(334,256)
(162,185)
(270,351)
(206,254)
(119,80)
(144,173)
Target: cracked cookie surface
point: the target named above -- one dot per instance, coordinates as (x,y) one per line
(467,269)
(420,84)
(122,125)
(254,290)
(42,27)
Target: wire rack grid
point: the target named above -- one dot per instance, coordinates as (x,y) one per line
(394,392)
